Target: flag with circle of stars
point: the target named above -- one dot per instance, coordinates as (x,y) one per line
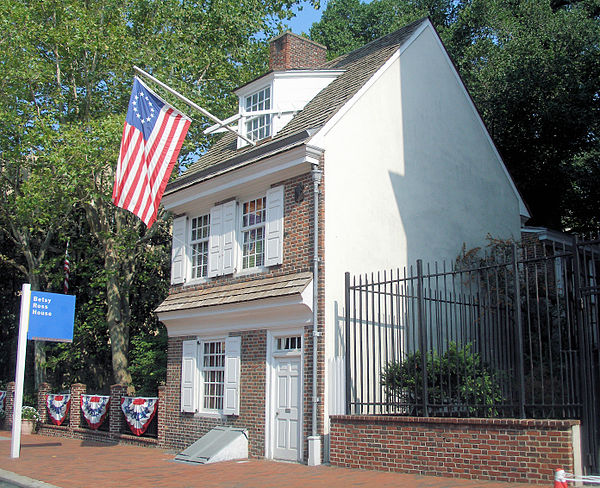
(152,138)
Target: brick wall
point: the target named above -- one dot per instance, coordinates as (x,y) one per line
(297,240)
(490,449)
(289,51)
(181,429)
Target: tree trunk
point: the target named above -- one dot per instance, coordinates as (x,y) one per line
(118,328)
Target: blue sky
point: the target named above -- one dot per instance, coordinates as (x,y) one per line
(305,18)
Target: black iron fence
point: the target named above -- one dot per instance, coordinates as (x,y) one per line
(511,334)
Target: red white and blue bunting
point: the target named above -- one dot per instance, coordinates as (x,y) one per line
(139,412)
(95,409)
(58,407)
(2,399)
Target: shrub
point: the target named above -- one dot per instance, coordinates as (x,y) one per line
(30,413)
(459,383)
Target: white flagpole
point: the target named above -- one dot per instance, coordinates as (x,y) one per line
(191,104)
(15,446)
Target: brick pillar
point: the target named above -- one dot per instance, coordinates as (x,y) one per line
(116,415)
(9,403)
(77,389)
(162,415)
(41,402)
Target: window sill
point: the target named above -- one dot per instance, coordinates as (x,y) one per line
(251,271)
(195,282)
(209,415)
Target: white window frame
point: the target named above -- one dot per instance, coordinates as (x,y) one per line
(225,240)
(259,112)
(203,369)
(192,242)
(249,228)
(193,379)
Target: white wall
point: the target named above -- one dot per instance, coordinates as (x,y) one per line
(409,174)
(293,90)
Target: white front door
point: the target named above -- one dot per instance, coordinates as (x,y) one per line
(287,409)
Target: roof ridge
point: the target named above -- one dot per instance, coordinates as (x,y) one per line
(358,67)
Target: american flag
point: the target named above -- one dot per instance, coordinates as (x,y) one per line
(152,138)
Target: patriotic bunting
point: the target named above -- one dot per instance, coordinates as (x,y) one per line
(2,398)
(95,409)
(139,412)
(58,407)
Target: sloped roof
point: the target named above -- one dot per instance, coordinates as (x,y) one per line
(359,66)
(237,292)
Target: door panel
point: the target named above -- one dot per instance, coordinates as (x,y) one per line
(287,409)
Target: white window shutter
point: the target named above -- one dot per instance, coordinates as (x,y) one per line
(189,369)
(178,253)
(214,241)
(228,242)
(231,397)
(274,227)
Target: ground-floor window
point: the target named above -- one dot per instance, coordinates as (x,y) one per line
(213,374)
(210,375)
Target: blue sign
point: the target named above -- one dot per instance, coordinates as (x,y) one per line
(51,317)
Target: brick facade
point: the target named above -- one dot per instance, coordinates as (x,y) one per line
(290,51)
(491,449)
(182,429)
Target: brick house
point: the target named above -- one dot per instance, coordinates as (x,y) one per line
(364,162)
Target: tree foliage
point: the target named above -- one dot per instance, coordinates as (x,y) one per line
(458,383)
(64,86)
(533,69)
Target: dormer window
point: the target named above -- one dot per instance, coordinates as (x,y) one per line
(259,126)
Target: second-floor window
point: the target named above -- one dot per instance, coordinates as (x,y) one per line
(258,127)
(199,246)
(253,233)
(235,236)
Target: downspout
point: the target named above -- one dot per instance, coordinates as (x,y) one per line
(314,441)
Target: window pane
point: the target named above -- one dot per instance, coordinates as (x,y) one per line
(253,232)
(213,373)
(259,127)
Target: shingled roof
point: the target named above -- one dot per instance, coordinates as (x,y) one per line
(227,294)
(359,66)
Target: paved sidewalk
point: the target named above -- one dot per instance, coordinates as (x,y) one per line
(71,463)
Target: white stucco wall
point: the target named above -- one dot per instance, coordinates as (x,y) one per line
(410,174)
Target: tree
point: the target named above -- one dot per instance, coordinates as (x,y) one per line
(64,89)
(533,69)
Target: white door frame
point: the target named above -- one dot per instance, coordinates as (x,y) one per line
(271,388)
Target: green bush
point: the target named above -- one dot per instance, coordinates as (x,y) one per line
(459,383)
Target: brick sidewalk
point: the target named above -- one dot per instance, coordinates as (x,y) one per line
(71,463)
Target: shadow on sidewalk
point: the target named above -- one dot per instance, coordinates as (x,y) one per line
(42,444)
(92,443)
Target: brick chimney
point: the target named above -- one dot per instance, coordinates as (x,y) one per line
(290,51)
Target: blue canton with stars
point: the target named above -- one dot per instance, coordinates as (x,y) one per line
(144,108)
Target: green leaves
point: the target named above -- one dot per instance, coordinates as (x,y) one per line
(65,80)
(458,382)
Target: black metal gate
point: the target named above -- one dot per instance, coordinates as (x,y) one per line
(515,333)
(587,267)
